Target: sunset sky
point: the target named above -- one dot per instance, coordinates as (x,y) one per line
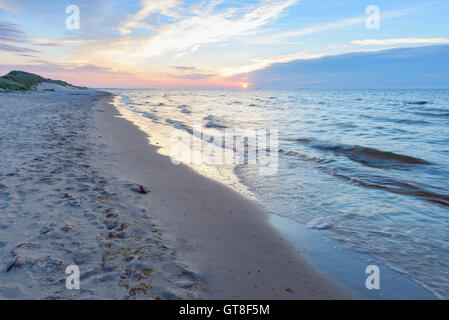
(174,43)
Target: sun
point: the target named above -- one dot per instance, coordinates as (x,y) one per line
(244,85)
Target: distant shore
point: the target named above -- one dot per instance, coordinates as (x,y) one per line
(81,185)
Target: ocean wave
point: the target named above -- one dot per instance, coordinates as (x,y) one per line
(412,122)
(185,108)
(319,224)
(421,103)
(432,114)
(303,157)
(214,122)
(431,109)
(179,125)
(149,116)
(372,181)
(399,187)
(125,99)
(395,120)
(367,156)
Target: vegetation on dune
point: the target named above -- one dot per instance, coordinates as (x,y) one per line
(24,81)
(9,85)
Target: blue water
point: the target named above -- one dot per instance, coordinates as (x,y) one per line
(368,167)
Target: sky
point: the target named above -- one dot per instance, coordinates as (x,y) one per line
(221,44)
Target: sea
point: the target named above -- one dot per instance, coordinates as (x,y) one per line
(361,179)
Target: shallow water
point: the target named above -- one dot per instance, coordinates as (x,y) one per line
(369,166)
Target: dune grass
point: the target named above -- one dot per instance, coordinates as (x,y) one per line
(24,81)
(10,85)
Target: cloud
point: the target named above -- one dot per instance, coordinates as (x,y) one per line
(62,42)
(184,68)
(189,76)
(11,33)
(8,48)
(199,26)
(5,6)
(325,27)
(385,42)
(47,44)
(187,31)
(261,63)
(417,67)
(149,7)
(190,73)
(330,26)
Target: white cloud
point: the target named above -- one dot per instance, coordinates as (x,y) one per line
(386,42)
(4,6)
(199,27)
(325,27)
(261,63)
(149,7)
(281,38)
(342,24)
(194,26)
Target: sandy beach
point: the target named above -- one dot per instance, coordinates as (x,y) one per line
(81,185)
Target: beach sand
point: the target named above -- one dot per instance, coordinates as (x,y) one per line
(71,173)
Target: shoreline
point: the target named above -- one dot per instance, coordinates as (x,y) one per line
(219,233)
(348,265)
(71,194)
(337,261)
